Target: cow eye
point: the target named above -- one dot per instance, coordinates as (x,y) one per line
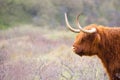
(83,40)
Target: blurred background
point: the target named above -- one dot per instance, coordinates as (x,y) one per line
(35,44)
(51,12)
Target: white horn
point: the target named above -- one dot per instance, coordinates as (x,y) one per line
(68,25)
(93,30)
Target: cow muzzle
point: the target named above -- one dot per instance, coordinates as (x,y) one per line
(77,50)
(74,49)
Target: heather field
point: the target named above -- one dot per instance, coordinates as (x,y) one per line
(34,53)
(35,44)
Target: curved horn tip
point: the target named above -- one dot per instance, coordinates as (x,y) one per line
(93,30)
(69,26)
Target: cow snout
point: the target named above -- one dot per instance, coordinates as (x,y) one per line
(77,50)
(73,48)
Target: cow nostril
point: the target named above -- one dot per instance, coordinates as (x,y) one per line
(73,48)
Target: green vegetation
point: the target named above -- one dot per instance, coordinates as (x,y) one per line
(39,46)
(34,54)
(51,12)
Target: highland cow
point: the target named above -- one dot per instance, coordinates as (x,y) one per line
(101,41)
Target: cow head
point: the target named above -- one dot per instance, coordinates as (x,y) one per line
(87,40)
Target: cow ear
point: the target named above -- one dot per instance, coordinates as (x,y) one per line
(97,38)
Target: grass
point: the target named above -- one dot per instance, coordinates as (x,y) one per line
(39,54)
(55,34)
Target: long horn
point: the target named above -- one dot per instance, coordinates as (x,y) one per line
(83,30)
(68,25)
